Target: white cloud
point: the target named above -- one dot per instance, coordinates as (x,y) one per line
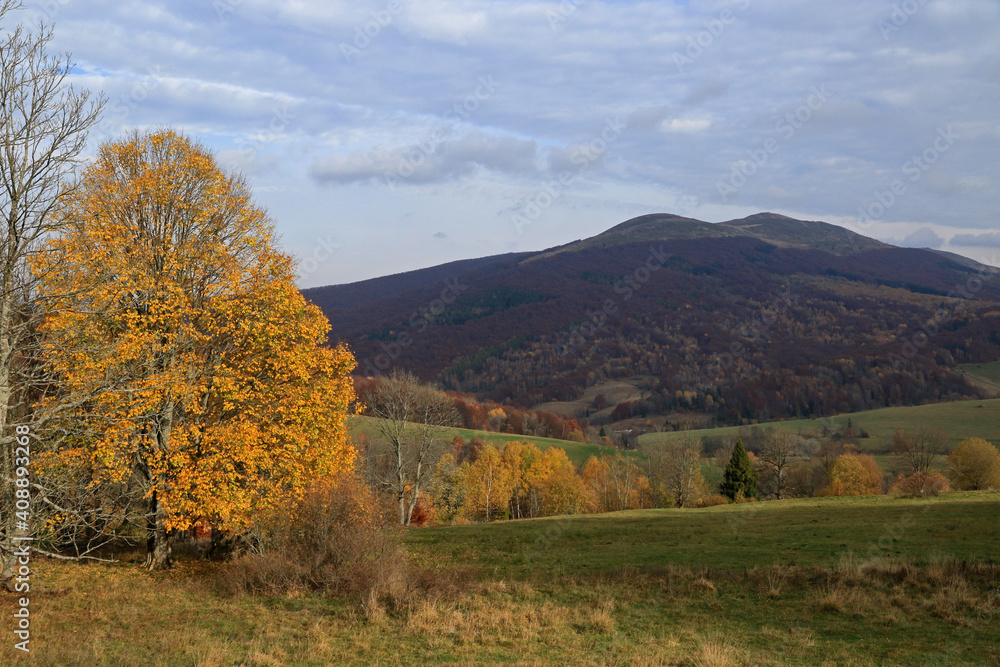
(437,158)
(925,237)
(685,125)
(440,20)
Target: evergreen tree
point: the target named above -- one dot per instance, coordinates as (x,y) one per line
(739,478)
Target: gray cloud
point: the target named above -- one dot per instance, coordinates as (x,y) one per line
(433,160)
(988,240)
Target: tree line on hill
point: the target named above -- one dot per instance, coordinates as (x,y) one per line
(430,479)
(476,481)
(477,415)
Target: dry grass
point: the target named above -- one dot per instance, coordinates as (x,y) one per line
(101,615)
(717,652)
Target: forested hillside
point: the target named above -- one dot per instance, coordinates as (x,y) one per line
(755,319)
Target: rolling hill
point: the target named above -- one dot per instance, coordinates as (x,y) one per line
(756,319)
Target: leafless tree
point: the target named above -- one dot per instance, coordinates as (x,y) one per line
(919,450)
(43,129)
(776,451)
(409,417)
(676,468)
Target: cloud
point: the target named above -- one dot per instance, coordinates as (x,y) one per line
(685,125)
(436,159)
(444,21)
(925,237)
(988,240)
(229,78)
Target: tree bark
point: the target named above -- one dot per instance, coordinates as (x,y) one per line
(159,555)
(158,551)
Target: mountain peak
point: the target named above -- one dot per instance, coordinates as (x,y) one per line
(772,228)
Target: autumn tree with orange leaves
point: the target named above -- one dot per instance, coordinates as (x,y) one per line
(214,394)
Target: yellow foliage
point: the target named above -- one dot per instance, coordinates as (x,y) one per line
(974,465)
(855,475)
(488,485)
(199,367)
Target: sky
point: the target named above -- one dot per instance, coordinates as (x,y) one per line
(390,135)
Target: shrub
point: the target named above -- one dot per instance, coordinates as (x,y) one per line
(855,475)
(711,500)
(920,485)
(974,465)
(335,540)
(421,513)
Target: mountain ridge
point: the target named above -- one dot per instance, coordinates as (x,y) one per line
(819,316)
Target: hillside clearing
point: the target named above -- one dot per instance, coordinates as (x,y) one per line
(958,420)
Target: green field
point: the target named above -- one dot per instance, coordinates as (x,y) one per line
(958,420)
(986,375)
(578,452)
(801,532)
(837,581)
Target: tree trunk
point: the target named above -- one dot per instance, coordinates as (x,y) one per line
(402,508)
(413,504)
(158,552)
(7,440)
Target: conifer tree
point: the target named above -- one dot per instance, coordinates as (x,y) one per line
(739,479)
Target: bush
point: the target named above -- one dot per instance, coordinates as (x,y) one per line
(711,500)
(855,475)
(920,485)
(334,540)
(974,465)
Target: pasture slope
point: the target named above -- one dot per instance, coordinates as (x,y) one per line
(958,420)
(836,581)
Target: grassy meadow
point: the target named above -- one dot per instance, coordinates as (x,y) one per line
(985,375)
(834,581)
(957,420)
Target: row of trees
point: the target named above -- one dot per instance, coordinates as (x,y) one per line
(478,415)
(523,481)
(152,340)
(484,483)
